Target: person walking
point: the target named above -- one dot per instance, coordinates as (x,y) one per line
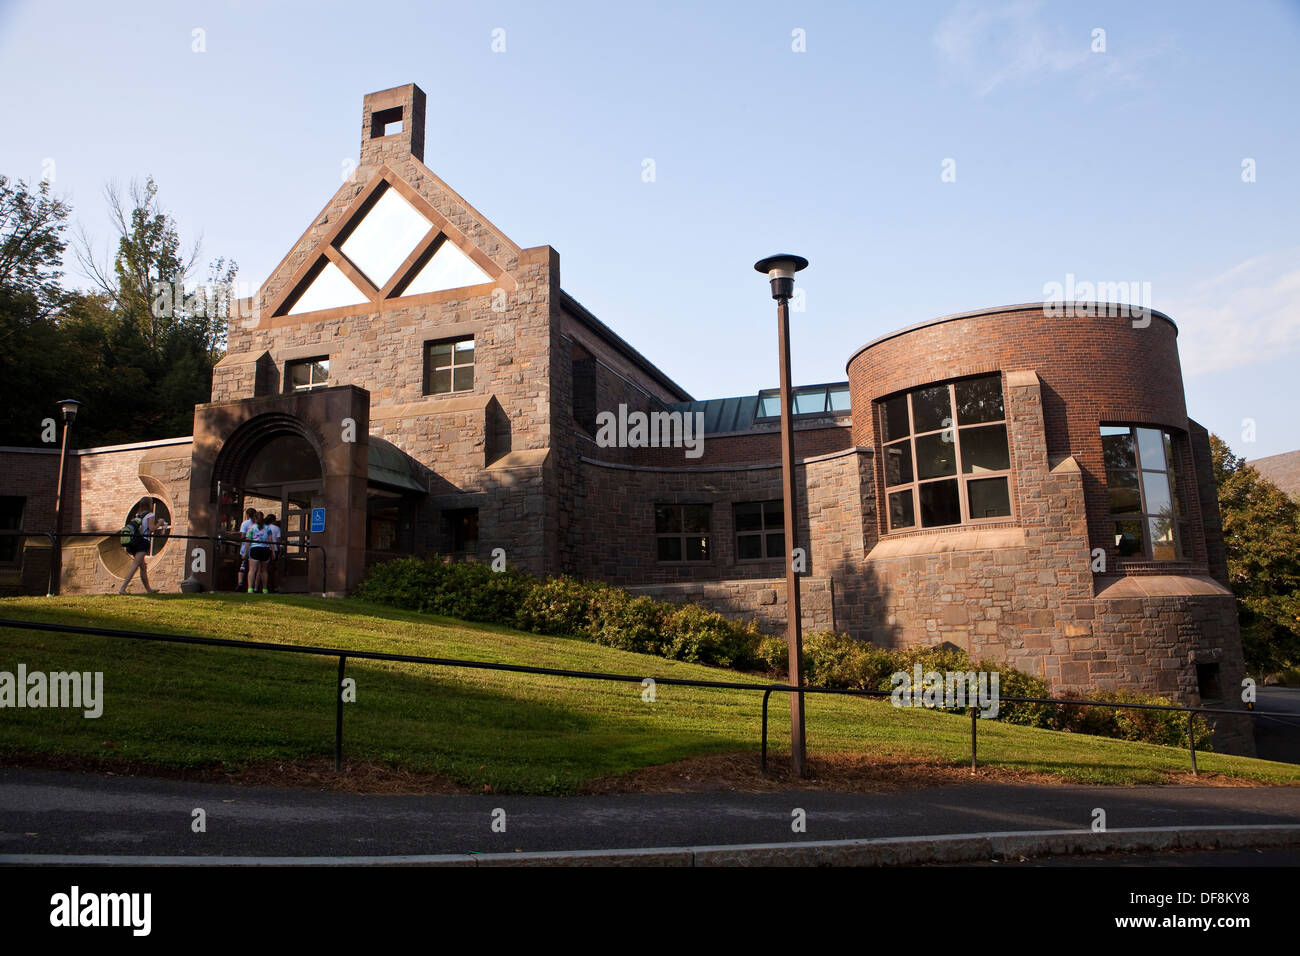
(137,539)
(259,555)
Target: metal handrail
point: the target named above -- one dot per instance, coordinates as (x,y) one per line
(214,539)
(767,689)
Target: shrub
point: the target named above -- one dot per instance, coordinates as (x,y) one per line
(694,634)
(836,660)
(555,606)
(687,632)
(471,592)
(629,623)
(1014,683)
(563,606)
(773,656)
(1165,727)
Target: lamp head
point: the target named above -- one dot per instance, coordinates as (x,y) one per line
(781,269)
(69,408)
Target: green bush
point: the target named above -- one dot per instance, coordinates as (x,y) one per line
(471,592)
(687,632)
(555,606)
(563,606)
(1165,727)
(629,623)
(695,634)
(1014,683)
(836,660)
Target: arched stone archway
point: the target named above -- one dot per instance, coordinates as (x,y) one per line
(302,451)
(241,449)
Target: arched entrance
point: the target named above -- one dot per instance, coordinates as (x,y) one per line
(274,466)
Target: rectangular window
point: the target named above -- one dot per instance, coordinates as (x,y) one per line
(682,533)
(1207,682)
(1145,510)
(449,366)
(383,520)
(760,530)
(11,519)
(306,374)
(946,455)
(460,526)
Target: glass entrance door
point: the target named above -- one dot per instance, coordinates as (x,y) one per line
(297,502)
(292,503)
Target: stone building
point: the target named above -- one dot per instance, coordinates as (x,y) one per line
(1022,485)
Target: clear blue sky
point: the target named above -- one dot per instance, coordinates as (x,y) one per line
(1114,166)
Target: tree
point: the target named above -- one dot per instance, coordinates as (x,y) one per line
(168,334)
(1261,530)
(139,359)
(32,225)
(31,246)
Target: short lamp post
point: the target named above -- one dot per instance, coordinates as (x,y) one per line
(781,270)
(68,407)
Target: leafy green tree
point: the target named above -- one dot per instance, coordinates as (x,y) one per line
(137,349)
(32,242)
(1261,529)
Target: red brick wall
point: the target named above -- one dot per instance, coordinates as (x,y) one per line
(101,487)
(1092,370)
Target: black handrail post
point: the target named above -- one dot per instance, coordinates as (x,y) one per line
(767,695)
(213,558)
(974,735)
(338,717)
(54,546)
(1191,740)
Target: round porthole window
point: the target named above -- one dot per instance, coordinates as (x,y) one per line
(162,516)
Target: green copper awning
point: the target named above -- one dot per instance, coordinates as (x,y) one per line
(391,467)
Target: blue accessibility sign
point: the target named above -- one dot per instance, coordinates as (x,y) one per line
(317,520)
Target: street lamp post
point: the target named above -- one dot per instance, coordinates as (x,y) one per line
(69,408)
(781,270)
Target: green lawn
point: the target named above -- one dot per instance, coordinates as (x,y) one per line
(187,707)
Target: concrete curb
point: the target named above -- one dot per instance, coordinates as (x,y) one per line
(885,851)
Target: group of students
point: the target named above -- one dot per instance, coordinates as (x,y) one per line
(260,534)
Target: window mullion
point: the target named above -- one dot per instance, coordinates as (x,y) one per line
(962,511)
(1148,546)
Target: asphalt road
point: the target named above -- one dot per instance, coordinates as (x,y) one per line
(68,813)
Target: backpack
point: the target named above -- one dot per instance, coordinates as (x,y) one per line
(132,536)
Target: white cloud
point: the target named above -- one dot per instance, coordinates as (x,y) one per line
(1245,314)
(992,46)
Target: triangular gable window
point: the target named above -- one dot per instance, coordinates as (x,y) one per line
(386,234)
(448,268)
(331,289)
(393,244)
